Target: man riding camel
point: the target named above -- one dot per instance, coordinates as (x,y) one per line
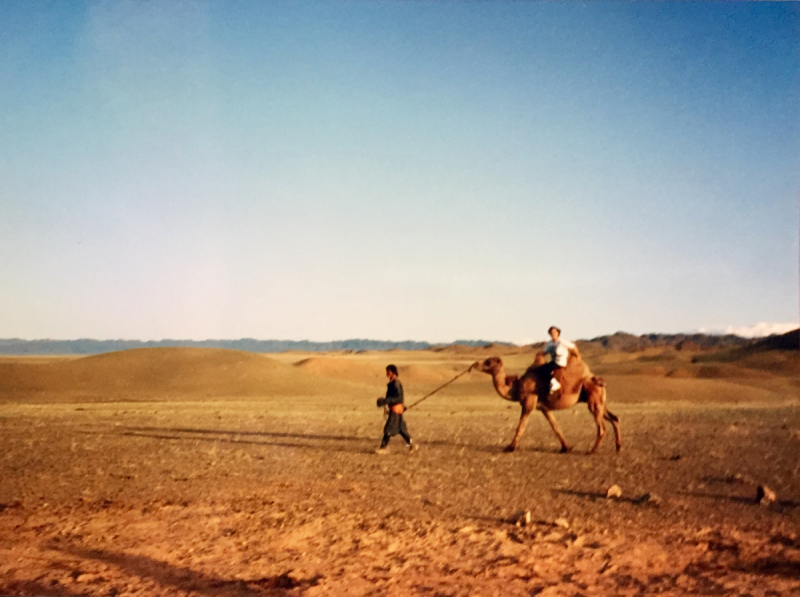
(559,350)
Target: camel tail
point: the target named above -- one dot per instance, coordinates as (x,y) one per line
(611,416)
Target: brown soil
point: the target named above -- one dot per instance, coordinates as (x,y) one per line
(164,484)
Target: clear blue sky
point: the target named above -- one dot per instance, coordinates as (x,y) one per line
(397,170)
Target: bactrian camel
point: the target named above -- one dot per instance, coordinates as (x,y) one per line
(532,391)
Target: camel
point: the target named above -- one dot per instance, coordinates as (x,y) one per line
(577,385)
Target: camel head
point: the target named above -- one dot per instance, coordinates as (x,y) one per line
(503,383)
(491,365)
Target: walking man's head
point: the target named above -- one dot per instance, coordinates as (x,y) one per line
(391,372)
(554,332)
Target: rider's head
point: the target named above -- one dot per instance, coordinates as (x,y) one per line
(554,332)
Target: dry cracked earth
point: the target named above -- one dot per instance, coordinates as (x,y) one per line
(277,497)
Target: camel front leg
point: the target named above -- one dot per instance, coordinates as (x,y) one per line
(527,409)
(554,424)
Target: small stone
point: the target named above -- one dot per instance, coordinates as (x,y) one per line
(651,499)
(86,578)
(765,496)
(553,537)
(522,518)
(614,491)
(561,522)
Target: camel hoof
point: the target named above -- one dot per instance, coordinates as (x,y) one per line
(619,448)
(509,448)
(565,450)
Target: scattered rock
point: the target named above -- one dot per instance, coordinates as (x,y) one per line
(650,499)
(675,457)
(88,578)
(553,537)
(522,518)
(561,522)
(765,496)
(10,505)
(614,491)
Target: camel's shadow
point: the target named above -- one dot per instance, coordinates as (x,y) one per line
(342,443)
(183,578)
(738,499)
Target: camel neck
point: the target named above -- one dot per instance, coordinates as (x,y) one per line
(499,379)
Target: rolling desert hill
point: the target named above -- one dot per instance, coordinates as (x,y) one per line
(365,371)
(158,374)
(771,365)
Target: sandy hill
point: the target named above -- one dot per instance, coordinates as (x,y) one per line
(772,363)
(159,374)
(373,372)
(482,351)
(778,354)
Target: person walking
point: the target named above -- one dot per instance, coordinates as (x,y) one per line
(395,424)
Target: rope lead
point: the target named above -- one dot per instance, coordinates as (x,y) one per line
(439,388)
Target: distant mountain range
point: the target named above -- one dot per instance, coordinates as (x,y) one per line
(630,343)
(620,341)
(16,346)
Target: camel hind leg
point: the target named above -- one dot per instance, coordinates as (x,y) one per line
(597,406)
(614,420)
(599,420)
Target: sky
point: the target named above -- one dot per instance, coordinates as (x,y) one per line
(396,170)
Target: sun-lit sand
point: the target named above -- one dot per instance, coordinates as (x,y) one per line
(212,472)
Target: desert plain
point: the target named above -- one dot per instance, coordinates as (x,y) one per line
(181,471)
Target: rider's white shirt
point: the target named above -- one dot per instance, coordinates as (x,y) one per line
(559,349)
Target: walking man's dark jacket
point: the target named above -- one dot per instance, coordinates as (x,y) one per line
(394,394)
